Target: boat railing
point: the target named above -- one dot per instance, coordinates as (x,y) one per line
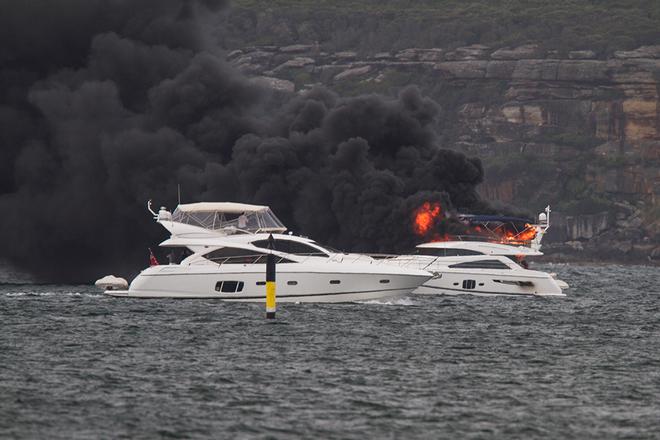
(493,239)
(244,259)
(259,258)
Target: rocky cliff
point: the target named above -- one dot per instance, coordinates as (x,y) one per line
(573,131)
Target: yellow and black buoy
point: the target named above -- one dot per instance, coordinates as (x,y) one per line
(271,306)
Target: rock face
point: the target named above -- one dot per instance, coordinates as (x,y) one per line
(580,133)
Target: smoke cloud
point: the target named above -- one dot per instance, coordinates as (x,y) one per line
(105,105)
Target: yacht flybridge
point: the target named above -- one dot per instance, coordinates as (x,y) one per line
(472,265)
(229,243)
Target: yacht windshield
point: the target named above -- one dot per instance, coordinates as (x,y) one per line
(291,247)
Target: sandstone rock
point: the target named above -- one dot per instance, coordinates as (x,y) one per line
(582,70)
(586,226)
(254,57)
(416,54)
(582,55)
(473,52)
(346,55)
(430,55)
(500,69)
(536,70)
(407,54)
(383,56)
(282,85)
(523,114)
(295,63)
(233,54)
(642,52)
(462,69)
(297,48)
(351,73)
(527,51)
(642,117)
(635,71)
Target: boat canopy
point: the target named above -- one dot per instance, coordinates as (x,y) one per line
(229,216)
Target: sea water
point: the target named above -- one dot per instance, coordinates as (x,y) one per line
(77,364)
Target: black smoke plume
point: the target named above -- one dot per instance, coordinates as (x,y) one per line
(104,105)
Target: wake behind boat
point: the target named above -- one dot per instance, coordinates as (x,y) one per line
(229,242)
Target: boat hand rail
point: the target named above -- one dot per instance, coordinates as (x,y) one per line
(254,258)
(241,259)
(259,258)
(490,239)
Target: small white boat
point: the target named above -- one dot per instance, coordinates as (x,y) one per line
(229,242)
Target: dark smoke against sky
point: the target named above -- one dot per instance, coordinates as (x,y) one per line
(106,104)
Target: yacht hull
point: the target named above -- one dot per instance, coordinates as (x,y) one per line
(513,281)
(326,284)
(491,283)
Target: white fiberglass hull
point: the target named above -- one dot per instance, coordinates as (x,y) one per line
(325,283)
(485,286)
(482,282)
(487,283)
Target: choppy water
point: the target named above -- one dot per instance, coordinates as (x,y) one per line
(75,364)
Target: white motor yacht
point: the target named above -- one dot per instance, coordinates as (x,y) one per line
(485,268)
(229,245)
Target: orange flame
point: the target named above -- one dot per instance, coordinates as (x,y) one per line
(425,216)
(528,234)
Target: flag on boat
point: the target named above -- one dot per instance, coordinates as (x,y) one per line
(152,259)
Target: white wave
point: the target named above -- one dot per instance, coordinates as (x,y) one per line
(405,301)
(34,293)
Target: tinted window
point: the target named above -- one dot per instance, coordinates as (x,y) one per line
(480,264)
(447,252)
(235,256)
(229,255)
(229,286)
(290,247)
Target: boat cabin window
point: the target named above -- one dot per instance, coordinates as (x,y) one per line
(228,255)
(447,252)
(291,247)
(229,286)
(480,264)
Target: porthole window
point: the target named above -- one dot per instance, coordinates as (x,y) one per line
(292,283)
(335,281)
(384,281)
(261,283)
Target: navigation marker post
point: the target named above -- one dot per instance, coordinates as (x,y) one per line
(271,306)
